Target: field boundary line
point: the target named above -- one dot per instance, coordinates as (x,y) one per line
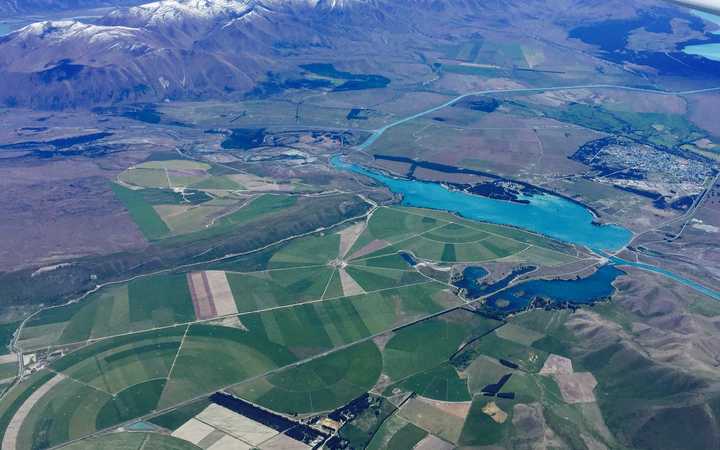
(492,233)
(71,378)
(327,285)
(312,266)
(422,236)
(145,439)
(167,175)
(239,314)
(372,268)
(177,354)
(415,235)
(227,432)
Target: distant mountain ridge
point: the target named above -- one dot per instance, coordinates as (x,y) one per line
(167,49)
(190,49)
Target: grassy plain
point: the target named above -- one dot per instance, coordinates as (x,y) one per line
(529,358)
(662,129)
(152,178)
(263,205)
(8,370)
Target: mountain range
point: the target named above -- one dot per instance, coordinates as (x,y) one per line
(190,49)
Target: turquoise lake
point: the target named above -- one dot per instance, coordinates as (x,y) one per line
(709,51)
(545,214)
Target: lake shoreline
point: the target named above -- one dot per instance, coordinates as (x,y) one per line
(545,214)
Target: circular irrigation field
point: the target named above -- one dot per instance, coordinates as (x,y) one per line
(322,384)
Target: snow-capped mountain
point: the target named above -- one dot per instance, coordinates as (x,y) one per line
(188,17)
(169,12)
(158,50)
(187,49)
(30,48)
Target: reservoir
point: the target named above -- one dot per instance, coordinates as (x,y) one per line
(582,291)
(709,51)
(546,214)
(472,276)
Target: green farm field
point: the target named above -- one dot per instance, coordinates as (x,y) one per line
(233,354)
(144,303)
(132,441)
(118,379)
(322,384)
(298,272)
(181,197)
(480,429)
(397,432)
(441,237)
(8,370)
(408,353)
(208,218)
(282,336)
(131,375)
(311,251)
(439,383)
(376,278)
(149,178)
(416,364)
(142,213)
(280,287)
